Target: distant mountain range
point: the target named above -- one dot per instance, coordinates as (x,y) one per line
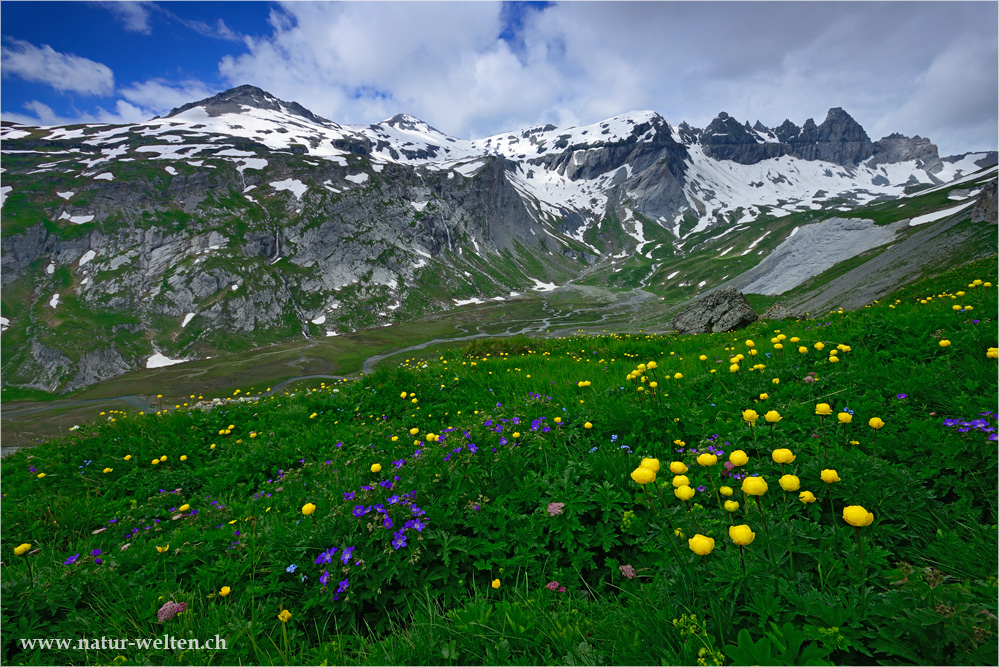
(242,220)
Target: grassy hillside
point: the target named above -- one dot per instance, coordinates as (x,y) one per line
(482,507)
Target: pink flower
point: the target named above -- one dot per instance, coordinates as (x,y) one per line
(552,585)
(627,571)
(169,610)
(554,509)
(561,589)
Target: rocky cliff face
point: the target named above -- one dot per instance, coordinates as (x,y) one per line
(242,219)
(839,140)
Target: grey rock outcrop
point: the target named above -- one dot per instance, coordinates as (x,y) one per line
(726,139)
(900,148)
(724,310)
(985,206)
(839,139)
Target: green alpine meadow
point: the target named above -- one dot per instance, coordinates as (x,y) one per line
(798,492)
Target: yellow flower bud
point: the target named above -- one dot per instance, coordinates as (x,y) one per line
(823,409)
(782,456)
(829,476)
(680,480)
(376,467)
(683,492)
(725,491)
(707,460)
(875,423)
(738,458)
(308,508)
(806,497)
(844,417)
(754,486)
(772,416)
(701,545)
(643,475)
(678,468)
(741,535)
(731,505)
(855,515)
(790,483)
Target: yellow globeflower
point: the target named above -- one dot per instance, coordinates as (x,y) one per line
(414,431)
(643,475)
(587,425)
(107,470)
(183,457)
(703,357)
(285,616)
(764,396)
(829,476)
(184,507)
(754,486)
(993,353)
(772,416)
(163,550)
(701,545)
(738,458)
(683,492)
(731,506)
(22,549)
(819,346)
(875,423)
(944,343)
(844,417)
(725,490)
(803,349)
(790,483)
(707,460)
(376,467)
(855,515)
(823,409)
(308,508)
(741,535)
(750,416)
(734,368)
(680,480)
(806,497)
(651,464)
(224,591)
(678,376)
(128,457)
(496,583)
(677,467)
(750,343)
(782,456)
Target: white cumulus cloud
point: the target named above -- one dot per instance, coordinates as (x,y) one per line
(62,71)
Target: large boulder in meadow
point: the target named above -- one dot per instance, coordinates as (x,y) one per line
(724,310)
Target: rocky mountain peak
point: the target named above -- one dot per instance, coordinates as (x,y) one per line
(239,99)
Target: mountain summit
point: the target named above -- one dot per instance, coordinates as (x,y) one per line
(241,98)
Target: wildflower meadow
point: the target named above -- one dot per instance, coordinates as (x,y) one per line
(807,492)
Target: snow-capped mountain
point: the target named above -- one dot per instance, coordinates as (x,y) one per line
(243,219)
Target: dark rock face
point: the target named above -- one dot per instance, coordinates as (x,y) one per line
(726,139)
(724,310)
(900,148)
(985,208)
(839,139)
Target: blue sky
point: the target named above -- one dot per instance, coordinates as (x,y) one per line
(472,69)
